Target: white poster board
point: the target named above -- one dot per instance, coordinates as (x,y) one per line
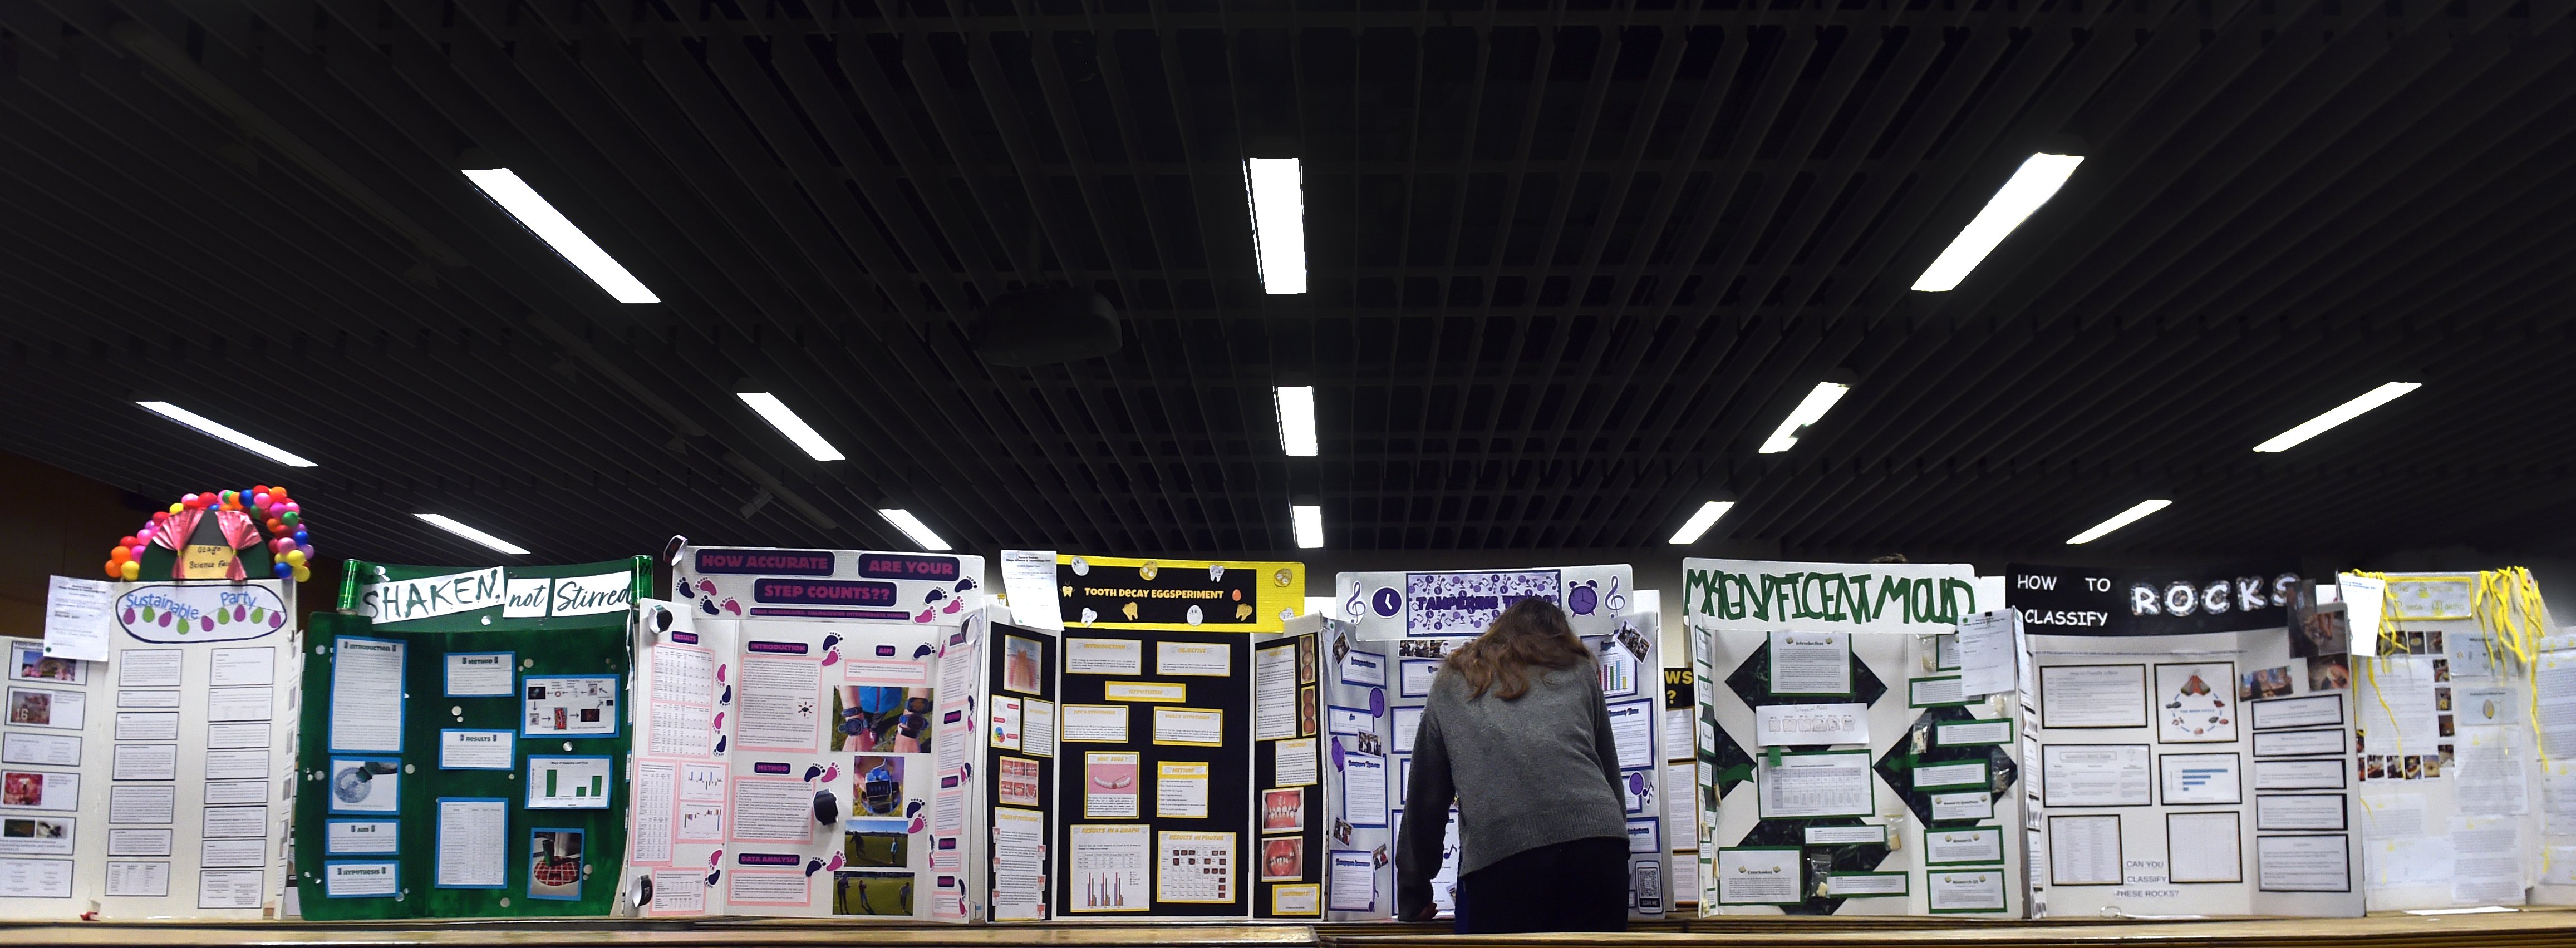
(1908,810)
(150,785)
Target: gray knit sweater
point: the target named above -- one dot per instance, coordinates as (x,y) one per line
(1534,771)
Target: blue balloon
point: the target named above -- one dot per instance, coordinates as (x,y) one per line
(283,569)
(300,539)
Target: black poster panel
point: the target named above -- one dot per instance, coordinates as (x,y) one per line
(1016,778)
(2083,600)
(1224,762)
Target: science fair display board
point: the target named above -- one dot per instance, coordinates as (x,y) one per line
(2195,755)
(150,781)
(1855,754)
(464,740)
(1086,725)
(808,736)
(2466,696)
(1381,653)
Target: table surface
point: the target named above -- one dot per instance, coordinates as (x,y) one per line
(2532,927)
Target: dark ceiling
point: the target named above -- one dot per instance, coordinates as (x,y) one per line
(1571,262)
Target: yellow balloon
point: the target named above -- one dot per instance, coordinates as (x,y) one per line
(175,508)
(303,573)
(133,570)
(295,557)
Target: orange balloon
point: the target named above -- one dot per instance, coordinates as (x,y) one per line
(115,570)
(119,555)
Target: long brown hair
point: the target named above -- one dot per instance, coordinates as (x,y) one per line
(1533,632)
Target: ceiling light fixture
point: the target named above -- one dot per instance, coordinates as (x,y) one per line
(449,524)
(1309,519)
(2121,519)
(1808,412)
(2038,179)
(1274,187)
(2338,415)
(913,527)
(1699,522)
(540,218)
(1296,419)
(788,423)
(226,433)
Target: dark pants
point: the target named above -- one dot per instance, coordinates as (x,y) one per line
(1578,886)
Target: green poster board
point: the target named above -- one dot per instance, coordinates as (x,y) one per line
(566,627)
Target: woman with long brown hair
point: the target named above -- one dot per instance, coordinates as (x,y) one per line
(1516,733)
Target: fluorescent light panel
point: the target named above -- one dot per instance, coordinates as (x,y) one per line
(449,524)
(1699,522)
(2122,519)
(1309,519)
(2340,414)
(540,218)
(226,433)
(1809,411)
(1275,187)
(913,527)
(788,423)
(1296,419)
(2038,180)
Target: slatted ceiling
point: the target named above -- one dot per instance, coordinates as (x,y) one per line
(1569,266)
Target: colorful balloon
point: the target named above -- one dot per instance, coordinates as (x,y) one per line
(303,573)
(131,572)
(295,556)
(121,554)
(282,569)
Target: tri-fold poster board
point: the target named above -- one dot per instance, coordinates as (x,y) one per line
(2195,756)
(1388,638)
(464,742)
(810,735)
(156,783)
(1856,754)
